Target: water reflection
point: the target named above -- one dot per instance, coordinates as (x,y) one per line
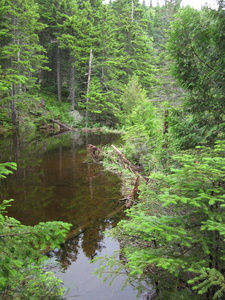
(85,286)
(53,182)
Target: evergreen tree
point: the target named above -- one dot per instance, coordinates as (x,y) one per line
(54,15)
(196,46)
(134,46)
(21,55)
(103,94)
(178,228)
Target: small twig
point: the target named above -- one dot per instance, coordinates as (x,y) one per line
(201,60)
(112,294)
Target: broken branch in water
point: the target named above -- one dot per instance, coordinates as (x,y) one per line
(127,163)
(61,124)
(94,153)
(133,197)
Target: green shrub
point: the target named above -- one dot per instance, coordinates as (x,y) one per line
(177,230)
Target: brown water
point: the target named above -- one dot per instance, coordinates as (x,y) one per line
(54,182)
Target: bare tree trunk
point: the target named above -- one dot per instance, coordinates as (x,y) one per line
(13,104)
(165,129)
(40,77)
(88,85)
(16,87)
(58,71)
(13,111)
(72,83)
(60,124)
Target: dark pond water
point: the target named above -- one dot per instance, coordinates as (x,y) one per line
(53,182)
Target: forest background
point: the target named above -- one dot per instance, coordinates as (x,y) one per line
(158,74)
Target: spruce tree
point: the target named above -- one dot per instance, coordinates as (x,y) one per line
(135,52)
(196,43)
(175,236)
(21,55)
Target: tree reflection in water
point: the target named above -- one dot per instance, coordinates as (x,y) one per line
(53,183)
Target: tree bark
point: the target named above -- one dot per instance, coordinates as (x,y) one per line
(60,124)
(72,83)
(58,71)
(126,161)
(88,85)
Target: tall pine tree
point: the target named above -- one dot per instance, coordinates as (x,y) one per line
(21,56)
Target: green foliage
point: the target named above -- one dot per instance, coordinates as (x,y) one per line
(21,55)
(58,111)
(141,123)
(196,46)
(179,226)
(187,130)
(42,109)
(134,47)
(143,138)
(99,107)
(206,280)
(67,30)
(6,169)
(22,271)
(133,95)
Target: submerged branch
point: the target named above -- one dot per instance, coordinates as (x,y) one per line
(60,124)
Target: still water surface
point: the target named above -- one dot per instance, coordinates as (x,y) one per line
(54,182)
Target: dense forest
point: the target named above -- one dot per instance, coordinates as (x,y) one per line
(155,72)
(81,55)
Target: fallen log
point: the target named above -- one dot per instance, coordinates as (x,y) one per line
(60,124)
(132,168)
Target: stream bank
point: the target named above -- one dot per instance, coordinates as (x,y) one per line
(53,182)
